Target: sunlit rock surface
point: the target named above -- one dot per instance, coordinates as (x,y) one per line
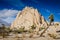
(28,17)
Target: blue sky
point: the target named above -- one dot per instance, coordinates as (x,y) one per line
(10,8)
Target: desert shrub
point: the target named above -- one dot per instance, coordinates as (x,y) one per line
(33,27)
(20,30)
(8,29)
(25,31)
(52,35)
(3,31)
(4,34)
(57,24)
(41,28)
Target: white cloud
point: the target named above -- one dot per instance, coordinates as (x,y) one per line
(9,19)
(8,15)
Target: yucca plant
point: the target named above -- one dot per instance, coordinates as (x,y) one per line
(51,17)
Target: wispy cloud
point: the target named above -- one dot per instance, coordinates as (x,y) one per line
(47,10)
(8,14)
(9,19)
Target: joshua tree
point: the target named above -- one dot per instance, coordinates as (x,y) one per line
(3,31)
(51,17)
(3,28)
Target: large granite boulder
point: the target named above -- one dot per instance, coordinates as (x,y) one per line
(28,17)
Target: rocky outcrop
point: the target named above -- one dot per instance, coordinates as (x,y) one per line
(28,17)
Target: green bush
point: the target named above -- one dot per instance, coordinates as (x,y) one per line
(33,27)
(41,28)
(21,30)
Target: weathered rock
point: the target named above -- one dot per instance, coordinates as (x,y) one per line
(51,31)
(28,17)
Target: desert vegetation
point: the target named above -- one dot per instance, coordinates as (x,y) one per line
(36,30)
(4,31)
(21,30)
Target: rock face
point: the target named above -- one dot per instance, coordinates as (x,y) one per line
(28,17)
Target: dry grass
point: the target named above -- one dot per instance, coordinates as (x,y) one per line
(52,35)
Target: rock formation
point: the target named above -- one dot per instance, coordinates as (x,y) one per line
(28,17)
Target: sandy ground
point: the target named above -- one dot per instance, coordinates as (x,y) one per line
(27,38)
(40,38)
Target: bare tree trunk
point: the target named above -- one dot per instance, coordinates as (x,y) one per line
(44,29)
